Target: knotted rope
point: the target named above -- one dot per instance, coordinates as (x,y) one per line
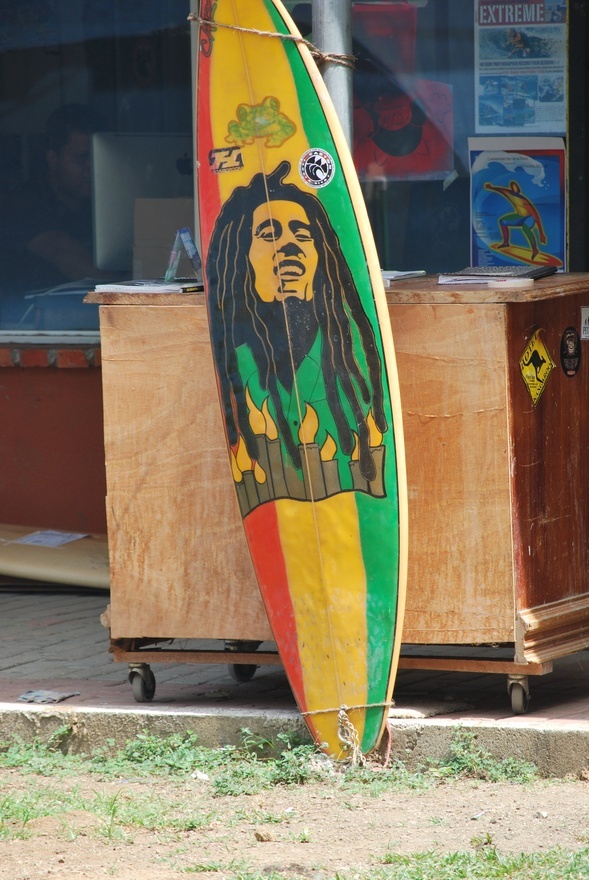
(347,733)
(319,56)
(348,736)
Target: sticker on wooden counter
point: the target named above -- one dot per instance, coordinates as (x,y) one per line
(570,351)
(536,366)
(585,322)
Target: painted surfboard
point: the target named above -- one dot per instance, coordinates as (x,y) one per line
(304,358)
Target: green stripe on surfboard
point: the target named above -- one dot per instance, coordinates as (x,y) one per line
(381,605)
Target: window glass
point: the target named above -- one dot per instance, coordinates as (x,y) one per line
(413,109)
(424,74)
(71,71)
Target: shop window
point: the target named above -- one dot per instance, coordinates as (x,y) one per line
(431,76)
(72,71)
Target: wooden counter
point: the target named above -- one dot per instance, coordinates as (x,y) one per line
(180,568)
(498,484)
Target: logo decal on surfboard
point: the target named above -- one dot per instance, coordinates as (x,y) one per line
(225,159)
(208,9)
(316,167)
(263,121)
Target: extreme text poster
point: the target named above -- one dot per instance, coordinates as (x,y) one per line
(518,205)
(520,66)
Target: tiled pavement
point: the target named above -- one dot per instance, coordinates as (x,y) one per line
(51,638)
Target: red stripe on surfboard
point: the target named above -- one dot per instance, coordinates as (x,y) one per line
(209,203)
(263,535)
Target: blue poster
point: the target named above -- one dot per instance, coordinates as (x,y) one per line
(518,210)
(520,66)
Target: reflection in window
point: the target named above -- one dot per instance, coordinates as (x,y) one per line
(67,70)
(413,112)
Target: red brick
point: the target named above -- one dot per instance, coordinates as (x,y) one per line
(72,358)
(34,357)
(6,357)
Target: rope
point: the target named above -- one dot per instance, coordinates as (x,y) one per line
(319,56)
(386,705)
(348,736)
(347,733)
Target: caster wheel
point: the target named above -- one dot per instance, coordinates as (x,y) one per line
(245,647)
(519,699)
(142,684)
(241,672)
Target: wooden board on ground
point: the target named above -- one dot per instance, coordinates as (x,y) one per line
(83,562)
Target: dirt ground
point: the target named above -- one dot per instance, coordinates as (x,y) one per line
(309,831)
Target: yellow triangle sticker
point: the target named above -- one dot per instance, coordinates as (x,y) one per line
(536,366)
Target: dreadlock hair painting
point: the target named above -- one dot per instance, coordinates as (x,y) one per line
(280,333)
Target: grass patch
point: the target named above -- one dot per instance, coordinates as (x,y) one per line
(486,865)
(556,864)
(467,759)
(231,770)
(172,787)
(258,764)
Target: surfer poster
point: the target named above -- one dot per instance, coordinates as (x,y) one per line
(518,207)
(520,66)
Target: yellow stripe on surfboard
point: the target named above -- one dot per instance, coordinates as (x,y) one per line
(266,64)
(330,573)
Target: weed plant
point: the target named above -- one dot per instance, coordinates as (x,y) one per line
(468,759)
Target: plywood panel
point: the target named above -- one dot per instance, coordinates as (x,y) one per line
(452,369)
(180,564)
(551,461)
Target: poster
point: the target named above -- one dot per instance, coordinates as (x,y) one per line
(403,123)
(518,205)
(520,66)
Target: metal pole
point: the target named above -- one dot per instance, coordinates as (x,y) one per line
(332,32)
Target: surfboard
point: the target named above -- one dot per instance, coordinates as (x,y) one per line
(305,365)
(524,255)
(83,562)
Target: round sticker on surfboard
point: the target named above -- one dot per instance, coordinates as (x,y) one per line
(316,167)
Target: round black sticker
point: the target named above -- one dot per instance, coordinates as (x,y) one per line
(570,351)
(316,167)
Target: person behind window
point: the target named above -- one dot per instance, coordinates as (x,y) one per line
(49,241)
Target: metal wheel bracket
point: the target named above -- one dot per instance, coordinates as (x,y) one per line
(518,688)
(522,680)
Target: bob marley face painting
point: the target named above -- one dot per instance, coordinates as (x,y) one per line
(296,357)
(283,254)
